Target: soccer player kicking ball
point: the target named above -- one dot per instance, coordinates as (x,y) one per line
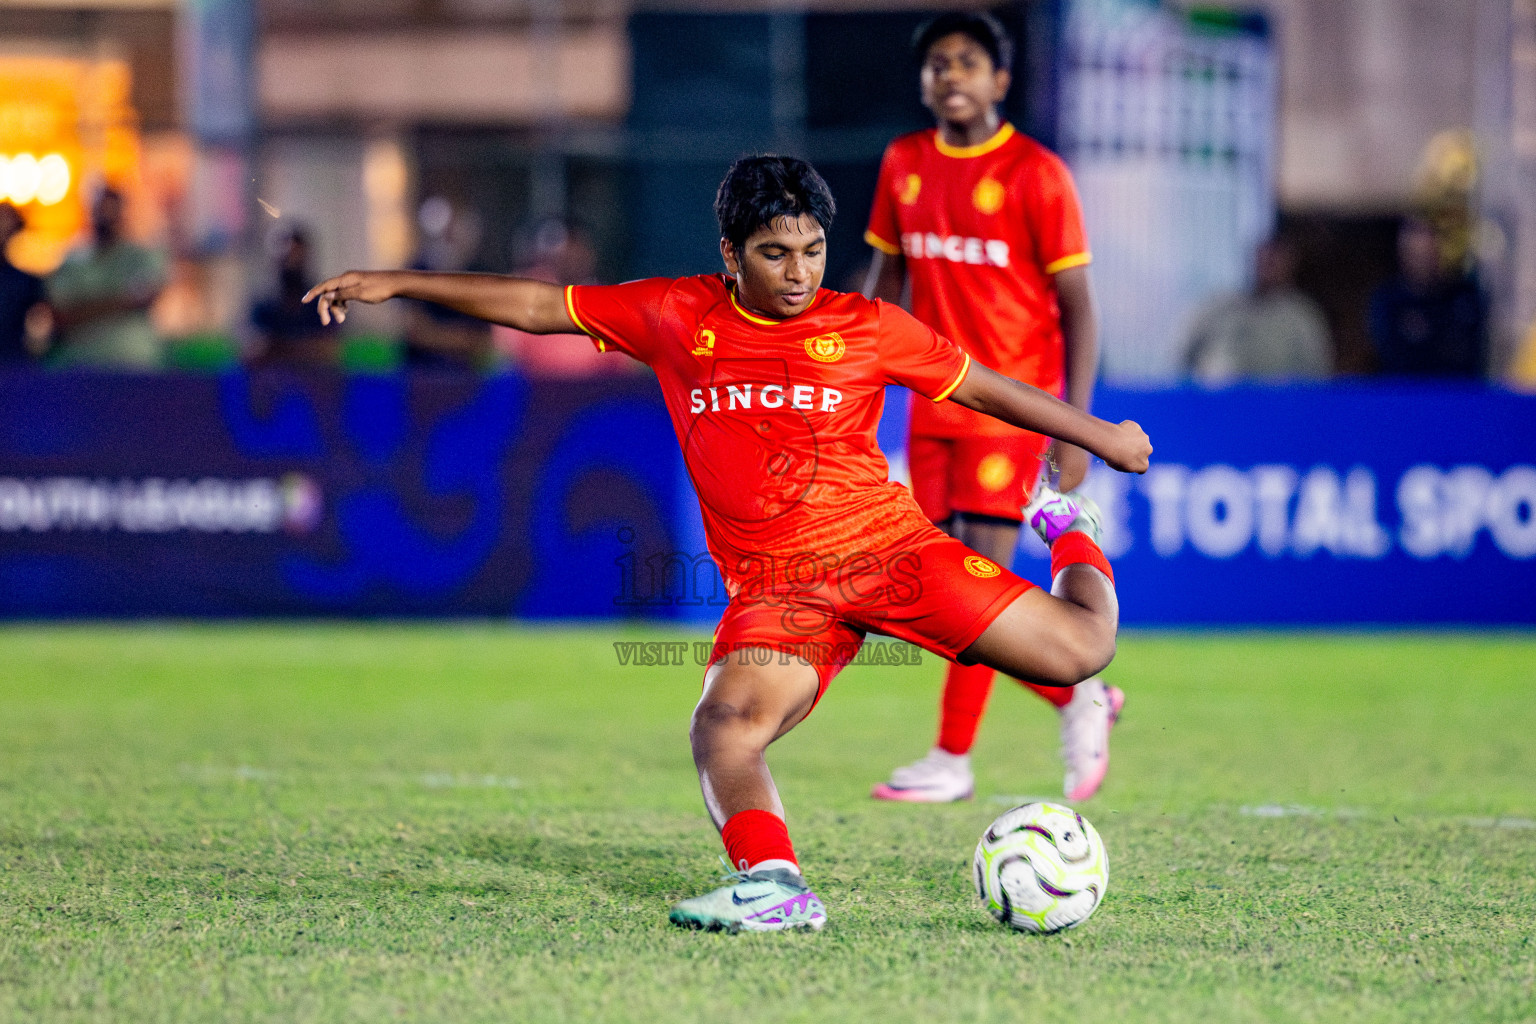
(775,387)
(984,224)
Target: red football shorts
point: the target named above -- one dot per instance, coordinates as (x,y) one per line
(989,476)
(929,590)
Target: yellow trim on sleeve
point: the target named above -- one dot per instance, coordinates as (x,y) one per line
(890,249)
(570,309)
(1077,259)
(1004,133)
(965,368)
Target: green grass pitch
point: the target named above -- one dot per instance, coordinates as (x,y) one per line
(486,823)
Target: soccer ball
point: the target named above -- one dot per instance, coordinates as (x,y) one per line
(1041,868)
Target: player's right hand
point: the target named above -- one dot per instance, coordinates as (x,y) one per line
(1131,451)
(353,286)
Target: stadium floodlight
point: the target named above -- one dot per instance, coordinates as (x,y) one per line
(53,179)
(22,179)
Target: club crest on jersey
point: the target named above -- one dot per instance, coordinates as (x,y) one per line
(978,566)
(704,342)
(988,195)
(825,348)
(910,189)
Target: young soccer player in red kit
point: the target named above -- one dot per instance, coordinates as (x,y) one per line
(775,387)
(984,225)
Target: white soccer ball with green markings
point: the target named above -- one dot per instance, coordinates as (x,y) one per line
(1041,868)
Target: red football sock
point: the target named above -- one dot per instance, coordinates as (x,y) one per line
(754,836)
(1077,547)
(966,689)
(1060,696)
(1072,548)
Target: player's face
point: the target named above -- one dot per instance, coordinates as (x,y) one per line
(960,85)
(779,268)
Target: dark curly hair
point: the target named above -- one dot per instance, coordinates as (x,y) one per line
(979,25)
(759,190)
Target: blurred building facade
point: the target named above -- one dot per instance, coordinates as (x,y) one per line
(1373,98)
(1167,118)
(225,121)
(87,98)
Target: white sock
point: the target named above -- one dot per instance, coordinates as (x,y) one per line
(776,864)
(961,761)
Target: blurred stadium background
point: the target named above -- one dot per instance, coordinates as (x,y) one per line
(420,466)
(339,820)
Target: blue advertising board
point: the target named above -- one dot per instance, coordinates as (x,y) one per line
(281,494)
(1347,504)
(1340,504)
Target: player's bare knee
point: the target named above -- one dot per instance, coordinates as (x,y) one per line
(1096,648)
(717,722)
(1064,669)
(713,716)
(1105,655)
(1085,651)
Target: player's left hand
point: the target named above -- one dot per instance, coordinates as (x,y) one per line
(1071,464)
(1131,449)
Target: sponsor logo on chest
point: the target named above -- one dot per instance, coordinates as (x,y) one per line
(981,252)
(741,398)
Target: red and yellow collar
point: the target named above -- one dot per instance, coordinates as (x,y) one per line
(750,317)
(1002,135)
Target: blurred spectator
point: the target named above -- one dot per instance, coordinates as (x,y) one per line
(102,294)
(291,333)
(1522,372)
(436,336)
(1271,332)
(20,293)
(561,254)
(1429,320)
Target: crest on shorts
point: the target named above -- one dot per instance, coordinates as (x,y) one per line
(825,348)
(910,189)
(995,471)
(988,195)
(978,566)
(704,342)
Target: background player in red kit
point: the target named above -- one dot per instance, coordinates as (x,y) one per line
(984,225)
(775,389)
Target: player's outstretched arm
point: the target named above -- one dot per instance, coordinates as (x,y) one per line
(532,306)
(886,278)
(1124,446)
(1080,336)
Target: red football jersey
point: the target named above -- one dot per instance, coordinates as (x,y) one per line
(982,228)
(777,418)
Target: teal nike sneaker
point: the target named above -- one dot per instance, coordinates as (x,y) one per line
(769,901)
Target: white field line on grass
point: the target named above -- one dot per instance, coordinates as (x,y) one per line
(214,774)
(1304,811)
(1347,813)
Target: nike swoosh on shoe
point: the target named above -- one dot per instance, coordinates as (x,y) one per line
(741,902)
